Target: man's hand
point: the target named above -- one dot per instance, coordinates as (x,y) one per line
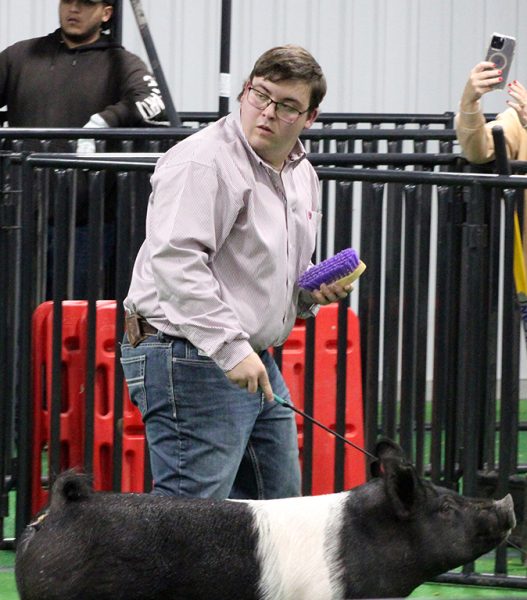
(87,145)
(332,292)
(251,373)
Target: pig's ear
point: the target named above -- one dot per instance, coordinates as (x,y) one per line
(402,486)
(384,448)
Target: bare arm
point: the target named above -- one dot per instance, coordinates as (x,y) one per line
(482,79)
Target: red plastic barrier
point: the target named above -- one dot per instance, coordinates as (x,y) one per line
(133,441)
(73,368)
(324,396)
(72,417)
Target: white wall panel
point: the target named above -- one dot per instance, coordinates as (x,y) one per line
(379,55)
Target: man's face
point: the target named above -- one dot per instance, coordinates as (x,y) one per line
(81,20)
(271,138)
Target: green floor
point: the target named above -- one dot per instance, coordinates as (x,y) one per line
(431,590)
(7,578)
(436,590)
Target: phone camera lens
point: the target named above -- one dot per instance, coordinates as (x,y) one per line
(497,42)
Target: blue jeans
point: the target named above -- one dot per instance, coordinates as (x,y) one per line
(206,436)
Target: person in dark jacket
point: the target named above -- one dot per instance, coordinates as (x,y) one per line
(78,76)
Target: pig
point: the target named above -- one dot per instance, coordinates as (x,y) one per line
(381,539)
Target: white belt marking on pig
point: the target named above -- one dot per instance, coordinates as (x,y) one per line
(297,547)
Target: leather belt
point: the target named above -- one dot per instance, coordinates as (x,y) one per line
(137,328)
(147,328)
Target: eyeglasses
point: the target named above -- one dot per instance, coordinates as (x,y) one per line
(285,112)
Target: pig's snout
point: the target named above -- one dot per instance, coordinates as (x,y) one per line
(505,510)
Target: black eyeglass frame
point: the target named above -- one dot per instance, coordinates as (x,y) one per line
(270,101)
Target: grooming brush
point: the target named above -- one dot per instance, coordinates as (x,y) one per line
(344,268)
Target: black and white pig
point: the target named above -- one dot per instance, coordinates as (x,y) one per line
(381,539)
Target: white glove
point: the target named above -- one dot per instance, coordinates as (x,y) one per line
(87,145)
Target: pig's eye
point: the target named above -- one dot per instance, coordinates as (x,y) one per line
(446,507)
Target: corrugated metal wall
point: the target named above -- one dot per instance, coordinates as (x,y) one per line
(378,55)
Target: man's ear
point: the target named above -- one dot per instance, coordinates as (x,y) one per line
(311,118)
(107,13)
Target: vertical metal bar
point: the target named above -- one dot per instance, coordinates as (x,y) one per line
(8,225)
(343,227)
(13,317)
(392,283)
(117,21)
(424,194)
(5,399)
(454,404)
(473,325)
(225,58)
(503,167)
(25,413)
(60,246)
(42,198)
(502,162)
(95,276)
(509,392)
(444,402)
(140,188)
(493,292)
(125,218)
(322,244)
(369,304)
(392,293)
(323,241)
(410,291)
(278,356)
(148,42)
(309,393)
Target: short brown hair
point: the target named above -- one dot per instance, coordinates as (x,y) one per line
(291,62)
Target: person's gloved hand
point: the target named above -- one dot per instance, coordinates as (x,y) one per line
(87,145)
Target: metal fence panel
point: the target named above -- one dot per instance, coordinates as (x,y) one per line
(462,437)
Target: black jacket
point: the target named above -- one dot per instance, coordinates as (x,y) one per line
(46,84)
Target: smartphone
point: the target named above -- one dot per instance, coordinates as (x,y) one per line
(501,53)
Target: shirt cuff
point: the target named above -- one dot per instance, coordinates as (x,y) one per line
(306,308)
(229,355)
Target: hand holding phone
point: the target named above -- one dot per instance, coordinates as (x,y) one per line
(501,52)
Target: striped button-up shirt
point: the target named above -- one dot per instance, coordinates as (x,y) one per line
(227,237)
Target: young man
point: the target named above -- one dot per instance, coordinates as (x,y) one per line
(231,225)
